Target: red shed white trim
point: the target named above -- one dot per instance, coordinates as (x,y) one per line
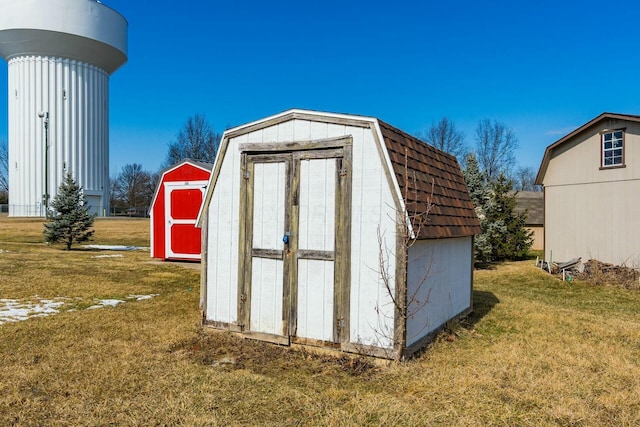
(174,210)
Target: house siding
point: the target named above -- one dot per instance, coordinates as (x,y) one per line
(592,212)
(538,237)
(577,162)
(594,221)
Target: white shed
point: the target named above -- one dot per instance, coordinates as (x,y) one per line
(304,224)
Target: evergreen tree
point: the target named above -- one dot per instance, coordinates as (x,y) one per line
(504,235)
(70,221)
(476,181)
(479,192)
(507,233)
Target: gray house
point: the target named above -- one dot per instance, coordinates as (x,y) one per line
(591,180)
(532,202)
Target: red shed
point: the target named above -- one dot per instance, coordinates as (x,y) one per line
(174,210)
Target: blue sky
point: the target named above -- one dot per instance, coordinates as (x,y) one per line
(542,68)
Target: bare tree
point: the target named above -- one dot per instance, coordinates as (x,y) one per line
(196,140)
(446,137)
(115,203)
(150,187)
(405,304)
(4,166)
(132,186)
(524,179)
(495,146)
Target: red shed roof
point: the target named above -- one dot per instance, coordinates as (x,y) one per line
(161,175)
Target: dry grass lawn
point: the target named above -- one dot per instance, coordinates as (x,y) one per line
(535,352)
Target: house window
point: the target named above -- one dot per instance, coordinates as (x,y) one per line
(613,148)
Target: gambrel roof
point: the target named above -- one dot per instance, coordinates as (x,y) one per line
(549,151)
(433,176)
(186,161)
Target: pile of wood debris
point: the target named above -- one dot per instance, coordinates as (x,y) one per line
(601,273)
(594,272)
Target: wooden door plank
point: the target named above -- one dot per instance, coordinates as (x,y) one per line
(343,246)
(292,260)
(267,253)
(244,241)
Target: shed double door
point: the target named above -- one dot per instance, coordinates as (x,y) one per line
(293,284)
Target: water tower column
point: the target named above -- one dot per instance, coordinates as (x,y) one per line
(60,54)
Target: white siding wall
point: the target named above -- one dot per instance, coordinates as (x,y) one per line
(372,204)
(372,310)
(589,212)
(438,283)
(223,245)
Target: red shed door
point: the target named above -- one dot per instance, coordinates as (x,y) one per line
(182,204)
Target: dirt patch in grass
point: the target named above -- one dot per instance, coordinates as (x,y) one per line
(225,350)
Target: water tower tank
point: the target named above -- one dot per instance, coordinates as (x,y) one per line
(60,54)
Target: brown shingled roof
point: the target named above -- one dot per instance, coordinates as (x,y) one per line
(433,176)
(531,202)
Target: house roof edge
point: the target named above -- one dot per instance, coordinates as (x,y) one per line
(548,151)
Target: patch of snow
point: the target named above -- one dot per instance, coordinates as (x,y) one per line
(106,303)
(108,256)
(12,310)
(142,297)
(116,248)
(224,361)
(2,251)
(15,311)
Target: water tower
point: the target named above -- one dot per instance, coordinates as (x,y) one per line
(60,54)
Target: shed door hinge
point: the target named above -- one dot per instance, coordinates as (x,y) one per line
(243,297)
(245,174)
(343,172)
